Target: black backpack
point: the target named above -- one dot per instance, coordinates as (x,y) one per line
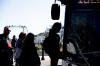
(46,45)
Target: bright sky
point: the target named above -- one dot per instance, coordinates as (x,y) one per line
(34,14)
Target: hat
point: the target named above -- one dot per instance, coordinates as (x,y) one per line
(6,28)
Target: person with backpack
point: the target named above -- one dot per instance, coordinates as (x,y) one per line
(6,53)
(51,44)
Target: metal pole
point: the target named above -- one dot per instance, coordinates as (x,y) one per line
(42,54)
(67,28)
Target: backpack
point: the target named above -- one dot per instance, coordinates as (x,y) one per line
(46,45)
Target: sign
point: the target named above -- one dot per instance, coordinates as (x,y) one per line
(89,1)
(82,4)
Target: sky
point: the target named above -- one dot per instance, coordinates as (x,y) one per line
(34,14)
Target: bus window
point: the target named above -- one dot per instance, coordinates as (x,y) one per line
(85,24)
(84,37)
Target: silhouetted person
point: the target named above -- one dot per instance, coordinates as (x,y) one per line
(19,46)
(29,56)
(13,42)
(52,42)
(6,54)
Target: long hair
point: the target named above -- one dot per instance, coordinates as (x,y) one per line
(29,40)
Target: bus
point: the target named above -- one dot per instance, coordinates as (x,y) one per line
(81,41)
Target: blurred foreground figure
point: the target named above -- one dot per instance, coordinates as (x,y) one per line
(29,56)
(6,53)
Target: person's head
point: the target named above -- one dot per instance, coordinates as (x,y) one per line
(14,36)
(56,27)
(22,35)
(6,30)
(29,37)
(29,42)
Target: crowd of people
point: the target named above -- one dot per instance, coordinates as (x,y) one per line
(25,52)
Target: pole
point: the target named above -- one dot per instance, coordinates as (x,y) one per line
(67,29)
(42,54)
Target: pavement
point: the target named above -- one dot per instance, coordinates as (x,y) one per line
(46,62)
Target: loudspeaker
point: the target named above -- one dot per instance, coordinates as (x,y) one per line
(55,11)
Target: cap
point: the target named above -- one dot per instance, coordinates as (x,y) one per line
(6,28)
